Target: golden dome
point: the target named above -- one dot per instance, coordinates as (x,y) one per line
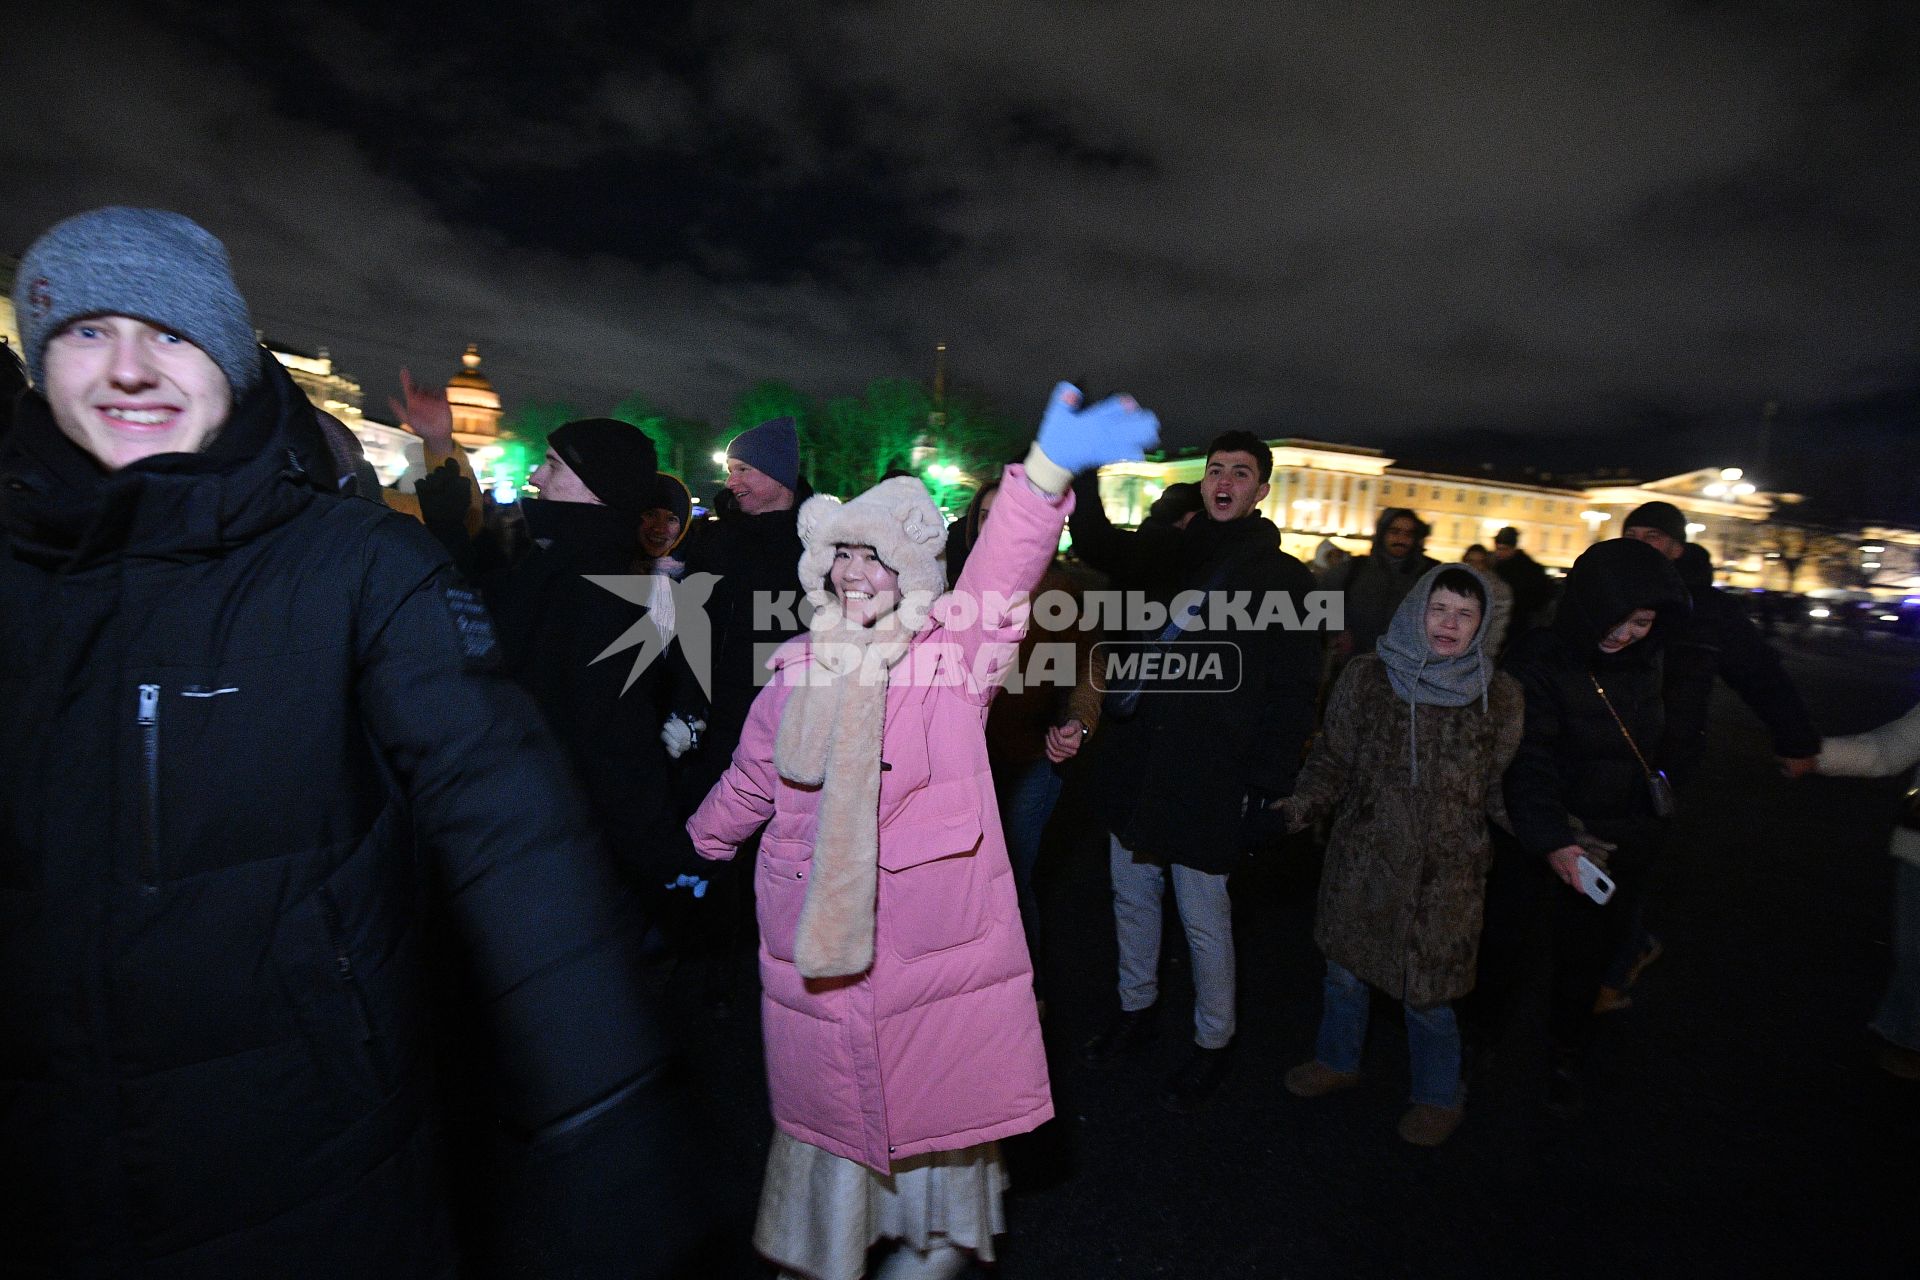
(475,404)
(479,391)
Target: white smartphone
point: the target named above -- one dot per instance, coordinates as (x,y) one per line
(1594,882)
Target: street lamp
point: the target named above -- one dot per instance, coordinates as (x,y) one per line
(1594,520)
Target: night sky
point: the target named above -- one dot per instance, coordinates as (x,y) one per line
(1580,236)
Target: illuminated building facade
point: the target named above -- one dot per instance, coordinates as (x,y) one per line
(1321,491)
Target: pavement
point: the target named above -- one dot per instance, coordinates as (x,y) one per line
(1736,1126)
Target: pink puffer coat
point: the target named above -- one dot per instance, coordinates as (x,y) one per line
(937,1046)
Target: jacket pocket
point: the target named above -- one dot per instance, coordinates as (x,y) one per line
(934,883)
(780,893)
(354,985)
(336,1012)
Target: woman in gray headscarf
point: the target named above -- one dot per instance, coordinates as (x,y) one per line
(1408,762)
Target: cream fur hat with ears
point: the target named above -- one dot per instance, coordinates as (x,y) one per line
(897,519)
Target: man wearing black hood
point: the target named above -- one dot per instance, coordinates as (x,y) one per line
(1377,582)
(235,700)
(1585,780)
(1176,776)
(596,481)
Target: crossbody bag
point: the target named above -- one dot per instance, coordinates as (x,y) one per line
(1659,790)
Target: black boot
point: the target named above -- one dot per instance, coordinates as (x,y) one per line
(1195,1083)
(1130,1029)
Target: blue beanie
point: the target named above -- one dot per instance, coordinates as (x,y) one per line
(772,448)
(150,264)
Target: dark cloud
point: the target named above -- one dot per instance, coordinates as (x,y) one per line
(1616,231)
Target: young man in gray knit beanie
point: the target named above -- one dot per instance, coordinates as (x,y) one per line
(135,332)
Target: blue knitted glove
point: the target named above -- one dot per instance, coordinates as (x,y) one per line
(1115,430)
(694,883)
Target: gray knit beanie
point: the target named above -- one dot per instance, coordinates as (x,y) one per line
(150,264)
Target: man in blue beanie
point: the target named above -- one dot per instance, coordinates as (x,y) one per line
(248,719)
(763,467)
(754,549)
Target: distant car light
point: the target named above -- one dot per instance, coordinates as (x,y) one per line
(1819,613)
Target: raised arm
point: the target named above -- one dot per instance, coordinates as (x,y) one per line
(986,613)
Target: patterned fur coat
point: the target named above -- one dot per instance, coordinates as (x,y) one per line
(1405,875)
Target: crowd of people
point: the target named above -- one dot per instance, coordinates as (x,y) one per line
(340,827)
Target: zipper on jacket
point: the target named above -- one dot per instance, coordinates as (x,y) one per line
(149,721)
(343,966)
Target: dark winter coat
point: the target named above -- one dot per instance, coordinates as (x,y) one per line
(1171,780)
(1376,583)
(553,623)
(217,683)
(1718,639)
(1532,590)
(1574,762)
(1404,881)
(753,556)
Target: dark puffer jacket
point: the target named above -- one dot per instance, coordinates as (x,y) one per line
(1171,780)
(217,683)
(1574,762)
(554,626)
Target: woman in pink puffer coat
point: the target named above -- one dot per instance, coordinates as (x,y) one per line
(897,997)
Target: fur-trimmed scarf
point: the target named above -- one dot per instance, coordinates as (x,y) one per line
(830,737)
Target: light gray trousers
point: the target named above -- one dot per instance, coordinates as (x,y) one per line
(1207,915)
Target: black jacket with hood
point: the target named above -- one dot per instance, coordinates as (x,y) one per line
(233,702)
(1574,761)
(554,625)
(1171,780)
(1376,583)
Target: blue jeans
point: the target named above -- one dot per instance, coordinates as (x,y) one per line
(1898,1018)
(1027,794)
(1433,1038)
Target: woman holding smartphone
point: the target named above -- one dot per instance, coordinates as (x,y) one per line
(1584,784)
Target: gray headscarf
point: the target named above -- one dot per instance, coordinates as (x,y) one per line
(1417,673)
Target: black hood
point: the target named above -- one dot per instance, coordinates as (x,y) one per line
(1378,550)
(268,461)
(1608,582)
